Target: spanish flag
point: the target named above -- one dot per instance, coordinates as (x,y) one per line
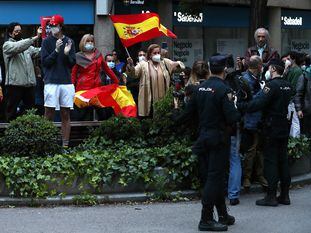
(113,95)
(139,27)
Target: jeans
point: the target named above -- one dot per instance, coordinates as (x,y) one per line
(234,183)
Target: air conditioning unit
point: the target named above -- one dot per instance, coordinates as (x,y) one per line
(103,7)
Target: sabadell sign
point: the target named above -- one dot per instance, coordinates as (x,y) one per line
(291,21)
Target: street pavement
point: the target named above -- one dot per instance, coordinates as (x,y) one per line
(179,217)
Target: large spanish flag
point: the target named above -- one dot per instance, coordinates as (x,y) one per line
(139,27)
(113,95)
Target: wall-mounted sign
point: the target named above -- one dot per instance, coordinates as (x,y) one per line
(188,18)
(137,2)
(188,50)
(301,45)
(212,16)
(297,21)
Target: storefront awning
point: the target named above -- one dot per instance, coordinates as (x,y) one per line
(29,12)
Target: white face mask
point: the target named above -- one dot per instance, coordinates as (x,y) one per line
(287,63)
(156,58)
(141,58)
(303,67)
(268,75)
(55,30)
(89,46)
(111,64)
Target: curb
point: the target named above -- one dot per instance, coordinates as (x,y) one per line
(127,197)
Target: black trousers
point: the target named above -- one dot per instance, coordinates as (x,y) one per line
(14,96)
(212,169)
(276,166)
(306,125)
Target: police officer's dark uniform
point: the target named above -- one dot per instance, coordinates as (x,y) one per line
(212,100)
(273,100)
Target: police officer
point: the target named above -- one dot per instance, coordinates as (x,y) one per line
(212,100)
(273,100)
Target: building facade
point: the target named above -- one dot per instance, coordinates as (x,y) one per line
(203,27)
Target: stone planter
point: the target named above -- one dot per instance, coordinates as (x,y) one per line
(301,166)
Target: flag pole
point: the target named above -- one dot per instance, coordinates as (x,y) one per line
(128,54)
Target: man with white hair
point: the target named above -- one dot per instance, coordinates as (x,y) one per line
(262,47)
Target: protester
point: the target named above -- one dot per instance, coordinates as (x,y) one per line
(90,71)
(292,76)
(133,83)
(242,92)
(273,100)
(141,56)
(212,145)
(112,66)
(155,76)
(302,98)
(20,75)
(262,48)
(120,65)
(252,136)
(57,58)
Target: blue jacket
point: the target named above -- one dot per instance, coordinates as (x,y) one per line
(251,120)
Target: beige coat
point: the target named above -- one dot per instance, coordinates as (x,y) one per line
(18,62)
(141,71)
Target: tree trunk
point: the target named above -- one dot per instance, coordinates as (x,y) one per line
(257,18)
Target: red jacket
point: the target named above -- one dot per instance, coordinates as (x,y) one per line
(86,74)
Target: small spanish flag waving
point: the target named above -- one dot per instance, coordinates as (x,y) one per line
(113,95)
(139,27)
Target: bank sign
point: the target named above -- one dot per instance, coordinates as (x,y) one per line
(296,19)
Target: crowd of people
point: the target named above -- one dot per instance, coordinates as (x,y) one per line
(246,106)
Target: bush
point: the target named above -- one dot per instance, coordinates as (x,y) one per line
(298,147)
(30,135)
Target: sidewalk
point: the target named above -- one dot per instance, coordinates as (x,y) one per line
(127,197)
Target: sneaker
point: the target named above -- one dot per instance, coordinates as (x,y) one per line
(234,201)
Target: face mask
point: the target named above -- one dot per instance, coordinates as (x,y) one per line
(110,64)
(268,75)
(89,46)
(287,63)
(156,58)
(141,58)
(18,36)
(55,30)
(303,67)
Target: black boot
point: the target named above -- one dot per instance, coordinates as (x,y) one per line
(269,200)
(284,196)
(207,222)
(223,216)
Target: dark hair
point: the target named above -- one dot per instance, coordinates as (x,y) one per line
(230,61)
(187,71)
(11,27)
(284,55)
(298,57)
(107,55)
(279,69)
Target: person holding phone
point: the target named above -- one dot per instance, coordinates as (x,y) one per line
(58,57)
(20,81)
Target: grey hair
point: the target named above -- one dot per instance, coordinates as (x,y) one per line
(262,30)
